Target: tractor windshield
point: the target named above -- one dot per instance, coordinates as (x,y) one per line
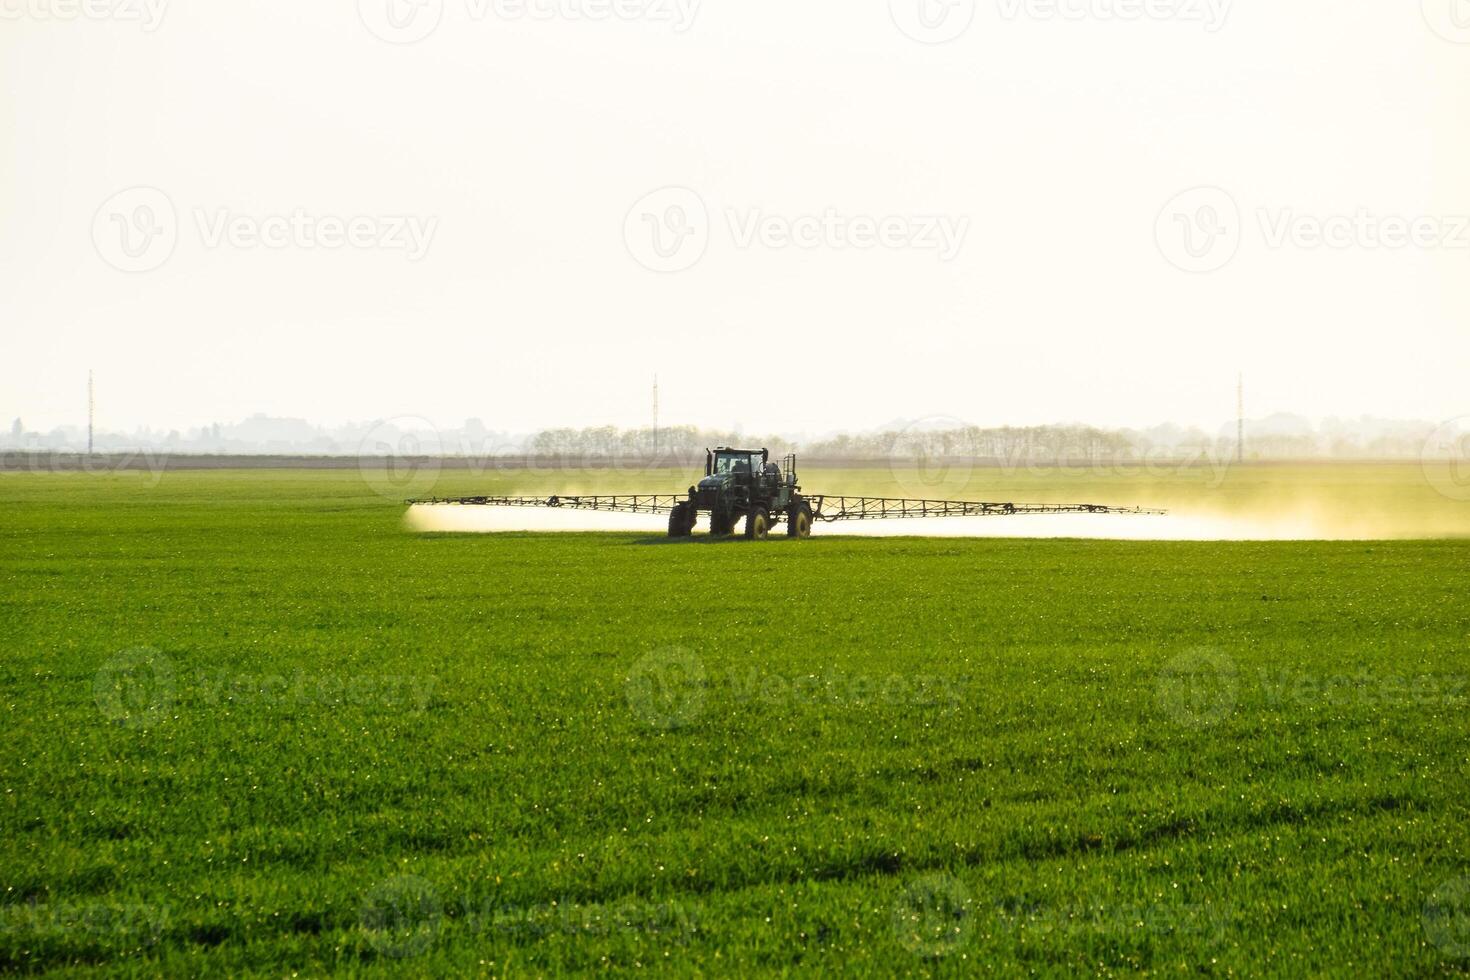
(732,463)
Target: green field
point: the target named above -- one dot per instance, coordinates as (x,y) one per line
(253,726)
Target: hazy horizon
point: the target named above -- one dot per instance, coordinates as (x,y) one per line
(1277,436)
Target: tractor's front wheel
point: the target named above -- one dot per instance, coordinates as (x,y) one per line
(681,521)
(721,524)
(799,521)
(757,524)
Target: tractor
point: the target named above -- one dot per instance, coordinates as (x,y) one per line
(743,484)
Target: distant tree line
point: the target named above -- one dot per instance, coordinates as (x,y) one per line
(1010,443)
(1038,442)
(1014,444)
(677,442)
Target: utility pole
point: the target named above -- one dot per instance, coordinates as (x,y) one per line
(91,411)
(1240,418)
(655,415)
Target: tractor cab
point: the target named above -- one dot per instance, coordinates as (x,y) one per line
(749,470)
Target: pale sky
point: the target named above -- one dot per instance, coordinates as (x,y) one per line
(999,233)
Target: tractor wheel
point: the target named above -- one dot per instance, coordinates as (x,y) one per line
(681,521)
(757,524)
(720,525)
(799,521)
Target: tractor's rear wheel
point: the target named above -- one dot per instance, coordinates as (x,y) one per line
(799,520)
(681,521)
(757,524)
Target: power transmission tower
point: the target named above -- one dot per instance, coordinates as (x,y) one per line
(1240,418)
(91,411)
(655,415)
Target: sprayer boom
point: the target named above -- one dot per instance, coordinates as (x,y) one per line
(644,503)
(745,485)
(825,507)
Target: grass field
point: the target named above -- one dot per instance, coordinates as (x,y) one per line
(255,727)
